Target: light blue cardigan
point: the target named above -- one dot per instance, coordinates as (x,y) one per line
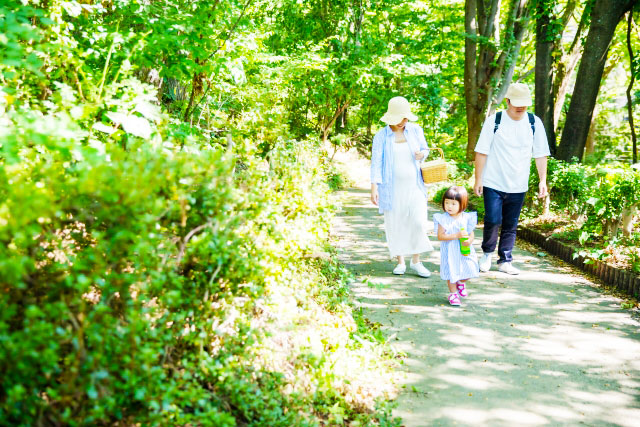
(382,161)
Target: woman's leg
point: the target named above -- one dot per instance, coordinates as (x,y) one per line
(415,258)
(400,259)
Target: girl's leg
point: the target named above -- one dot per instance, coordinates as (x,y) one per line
(454,298)
(461,287)
(415,258)
(400,259)
(452,286)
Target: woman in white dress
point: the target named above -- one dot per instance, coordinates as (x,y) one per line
(397,187)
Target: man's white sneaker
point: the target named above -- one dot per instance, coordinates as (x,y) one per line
(506,267)
(420,269)
(400,269)
(485,262)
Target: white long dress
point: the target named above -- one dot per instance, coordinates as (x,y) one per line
(406,224)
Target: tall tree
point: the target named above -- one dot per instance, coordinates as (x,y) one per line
(555,60)
(604,19)
(635,69)
(491,54)
(544,68)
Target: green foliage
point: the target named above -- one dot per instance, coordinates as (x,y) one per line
(136,252)
(596,199)
(129,288)
(570,184)
(475,203)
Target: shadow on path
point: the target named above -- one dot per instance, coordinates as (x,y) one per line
(542,348)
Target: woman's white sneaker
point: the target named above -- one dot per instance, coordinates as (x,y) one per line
(485,262)
(400,269)
(506,267)
(420,269)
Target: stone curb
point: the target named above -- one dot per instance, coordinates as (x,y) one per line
(624,280)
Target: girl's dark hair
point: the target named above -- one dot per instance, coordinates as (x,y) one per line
(456,193)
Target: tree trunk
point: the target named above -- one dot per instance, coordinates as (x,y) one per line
(485,68)
(590,146)
(544,73)
(628,215)
(326,127)
(470,89)
(634,152)
(604,19)
(568,62)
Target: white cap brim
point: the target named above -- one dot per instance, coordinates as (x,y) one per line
(394,119)
(520,102)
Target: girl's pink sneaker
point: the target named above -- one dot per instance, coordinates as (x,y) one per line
(462,289)
(454,299)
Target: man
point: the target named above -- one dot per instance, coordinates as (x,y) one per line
(507,142)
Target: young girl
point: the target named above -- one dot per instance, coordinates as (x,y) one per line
(451,226)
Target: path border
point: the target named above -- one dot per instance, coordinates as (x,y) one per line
(624,280)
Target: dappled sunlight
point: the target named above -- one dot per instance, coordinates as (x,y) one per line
(471,340)
(525,311)
(491,417)
(616,317)
(573,345)
(473,382)
(556,412)
(544,276)
(541,348)
(607,397)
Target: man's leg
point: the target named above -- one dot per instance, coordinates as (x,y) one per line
(492,218)
(511,207)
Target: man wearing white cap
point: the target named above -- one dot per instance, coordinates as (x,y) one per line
(507,142)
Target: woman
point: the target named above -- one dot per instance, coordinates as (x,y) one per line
(397,186)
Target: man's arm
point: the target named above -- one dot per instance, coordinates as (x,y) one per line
(541,166)
(481,161)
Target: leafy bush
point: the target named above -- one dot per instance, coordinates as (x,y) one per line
(475,203)
(130,280)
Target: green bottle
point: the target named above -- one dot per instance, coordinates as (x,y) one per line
(465,250)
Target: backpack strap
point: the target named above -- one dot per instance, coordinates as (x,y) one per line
(498,119)
(532,122)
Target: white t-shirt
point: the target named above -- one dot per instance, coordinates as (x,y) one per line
(509,152)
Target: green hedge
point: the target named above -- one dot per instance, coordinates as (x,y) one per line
(600,194)
(129,280)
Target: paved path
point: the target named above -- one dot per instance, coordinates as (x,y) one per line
(543,348)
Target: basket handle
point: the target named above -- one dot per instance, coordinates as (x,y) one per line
(436,148)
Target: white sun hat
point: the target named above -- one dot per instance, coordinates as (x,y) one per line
(519,95)
(398,110)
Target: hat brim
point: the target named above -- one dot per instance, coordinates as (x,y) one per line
(394,119)
(520,102)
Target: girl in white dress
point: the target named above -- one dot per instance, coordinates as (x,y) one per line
(397,186)
(451,226)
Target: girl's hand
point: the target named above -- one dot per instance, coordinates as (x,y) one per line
(464,235)
(374,196)
(419,155)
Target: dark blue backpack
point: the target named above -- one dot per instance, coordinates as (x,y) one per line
(532,122)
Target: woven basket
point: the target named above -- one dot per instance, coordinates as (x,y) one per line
(434,170)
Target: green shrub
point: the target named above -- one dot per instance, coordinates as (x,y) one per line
(130,282)
(476,204)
